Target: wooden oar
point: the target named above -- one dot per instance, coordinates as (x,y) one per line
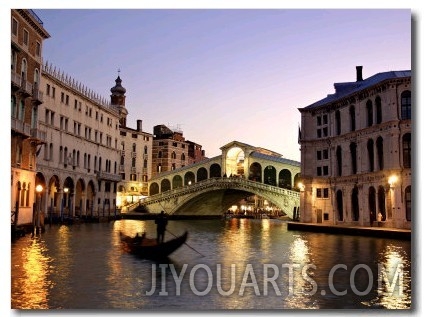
(185,243)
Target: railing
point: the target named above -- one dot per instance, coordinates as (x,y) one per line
(20,126)
(26,86)
(34,15)
(37,94)
(15,78)
(221,181)
(38,134)
(109,176)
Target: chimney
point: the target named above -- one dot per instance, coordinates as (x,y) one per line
(139,125)
(359,73)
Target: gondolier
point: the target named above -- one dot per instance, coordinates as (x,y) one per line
(161,221)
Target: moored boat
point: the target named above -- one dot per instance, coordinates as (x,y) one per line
(149,248)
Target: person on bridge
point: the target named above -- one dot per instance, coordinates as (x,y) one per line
(161,222)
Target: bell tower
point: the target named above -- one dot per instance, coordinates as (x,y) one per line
(117,99)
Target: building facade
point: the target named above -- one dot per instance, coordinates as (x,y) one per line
(356,153)
(27,36)
(79,163)
(135,154)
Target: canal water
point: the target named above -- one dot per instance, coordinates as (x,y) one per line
(239,264)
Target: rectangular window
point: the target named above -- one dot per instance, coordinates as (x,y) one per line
(325,192)
(319,155)
(14,27)
(319,120)
(325,170)
(325,154)
(325,119)
(325,131)
(319,171)
(319,133)
(319,192)
(25,38)
(48,89)
(62,97)
(53,92)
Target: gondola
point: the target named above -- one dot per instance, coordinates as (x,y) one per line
(149,248)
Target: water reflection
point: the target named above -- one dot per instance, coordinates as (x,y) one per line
(394,279)
(246,264)
(30,276)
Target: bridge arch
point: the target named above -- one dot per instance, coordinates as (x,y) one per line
(202,174)
(177,181)
(165,185)
(189,178)
(238,162)
(270,175)
(255,172)
(285,179)
(153,189)
(215,170)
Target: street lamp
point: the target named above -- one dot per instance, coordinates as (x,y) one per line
(39,189)
(392,181)
(66,191)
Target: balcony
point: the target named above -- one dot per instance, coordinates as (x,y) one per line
(37,95)
(15,80)
(38,135)
(20,127)
(21,85)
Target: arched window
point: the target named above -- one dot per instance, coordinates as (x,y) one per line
(340,205)
(338,122)
(380,153)
(21,110)
(372,203)
(382,202)
(339,154)
(369,113)
(173,155)
(352,118)
(24,70)
(355,204)
(408,203)
(36,79)
(13,107)
(406,105)
(370,149)
(406,150)
(353,153)
(378,112)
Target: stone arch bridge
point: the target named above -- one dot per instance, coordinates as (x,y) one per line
(212,186)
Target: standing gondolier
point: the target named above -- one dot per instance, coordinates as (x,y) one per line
(161,221)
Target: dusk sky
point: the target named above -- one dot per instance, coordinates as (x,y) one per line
(220,74)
